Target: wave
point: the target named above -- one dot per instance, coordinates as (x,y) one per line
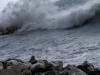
(96,9)
(26,15)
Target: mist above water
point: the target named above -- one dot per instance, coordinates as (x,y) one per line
(35,14)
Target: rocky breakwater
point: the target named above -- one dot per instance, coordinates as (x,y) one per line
(43,67)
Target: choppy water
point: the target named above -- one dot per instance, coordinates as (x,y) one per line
(73,45)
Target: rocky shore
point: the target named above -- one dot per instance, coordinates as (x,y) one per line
(43,67)
(8,30)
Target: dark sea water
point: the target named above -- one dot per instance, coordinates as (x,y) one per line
(48,30)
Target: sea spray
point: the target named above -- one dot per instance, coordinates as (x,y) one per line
(35,14)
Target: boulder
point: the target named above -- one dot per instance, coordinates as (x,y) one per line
(19,60)
(55,66)
(1,65)
(21,67)
(72,70)
(12,62)
(11,29)
(56,63)
(8,30)
(27,72)
(9,72)
(1,30)
(33,58)
(43,67)
(95,72)
(15,67)
(86,66)
(51,73)
(25,66)
(4,64)
(39,66)
(39,74)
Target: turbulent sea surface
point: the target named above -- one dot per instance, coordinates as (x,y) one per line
(65,30)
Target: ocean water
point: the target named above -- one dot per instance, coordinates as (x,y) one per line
(64,30)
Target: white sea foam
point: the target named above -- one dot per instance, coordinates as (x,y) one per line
(36,14)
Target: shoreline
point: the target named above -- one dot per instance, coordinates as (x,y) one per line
(34,66)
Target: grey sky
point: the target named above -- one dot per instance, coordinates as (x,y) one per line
(3,3)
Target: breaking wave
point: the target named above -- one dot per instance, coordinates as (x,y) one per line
(28,15)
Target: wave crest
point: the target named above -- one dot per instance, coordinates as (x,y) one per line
(26,15)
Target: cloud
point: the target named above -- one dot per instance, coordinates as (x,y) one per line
(3,3)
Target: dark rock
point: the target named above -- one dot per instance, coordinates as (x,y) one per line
(12,62)
(8,30)
(96,72)
(25,66)
(51,73)
(1,30)
(21,67)
(39,74)
(55,66)
(4,64)
(63,73)
(72,70)
(56,63)
(43,67)
(27,72)
(15,67)
(86,66)
(40,61)
(40,66)
(19,60)
(11,29)
(33,58)
(9,72)
(1,65)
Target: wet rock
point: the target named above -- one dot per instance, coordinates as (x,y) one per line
(1,65)
(55,65)
(8,30)
(39,74)
(33,58)
(19,60)
(12,62)
(39,66)
(21,67)
(1,31)
(40,61)
(95,72)
(27,72)
(51,73)
(72,70)
(86,66)
(25,66)
(9,72)
(15,67)
(43,67)
(4,64)
(11,29)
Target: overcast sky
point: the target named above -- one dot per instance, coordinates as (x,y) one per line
(3,3)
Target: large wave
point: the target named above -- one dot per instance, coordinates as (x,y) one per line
(26,15)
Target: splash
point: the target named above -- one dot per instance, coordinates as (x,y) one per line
(26,15)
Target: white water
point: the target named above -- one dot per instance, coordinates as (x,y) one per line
(70,46)
(36,14)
